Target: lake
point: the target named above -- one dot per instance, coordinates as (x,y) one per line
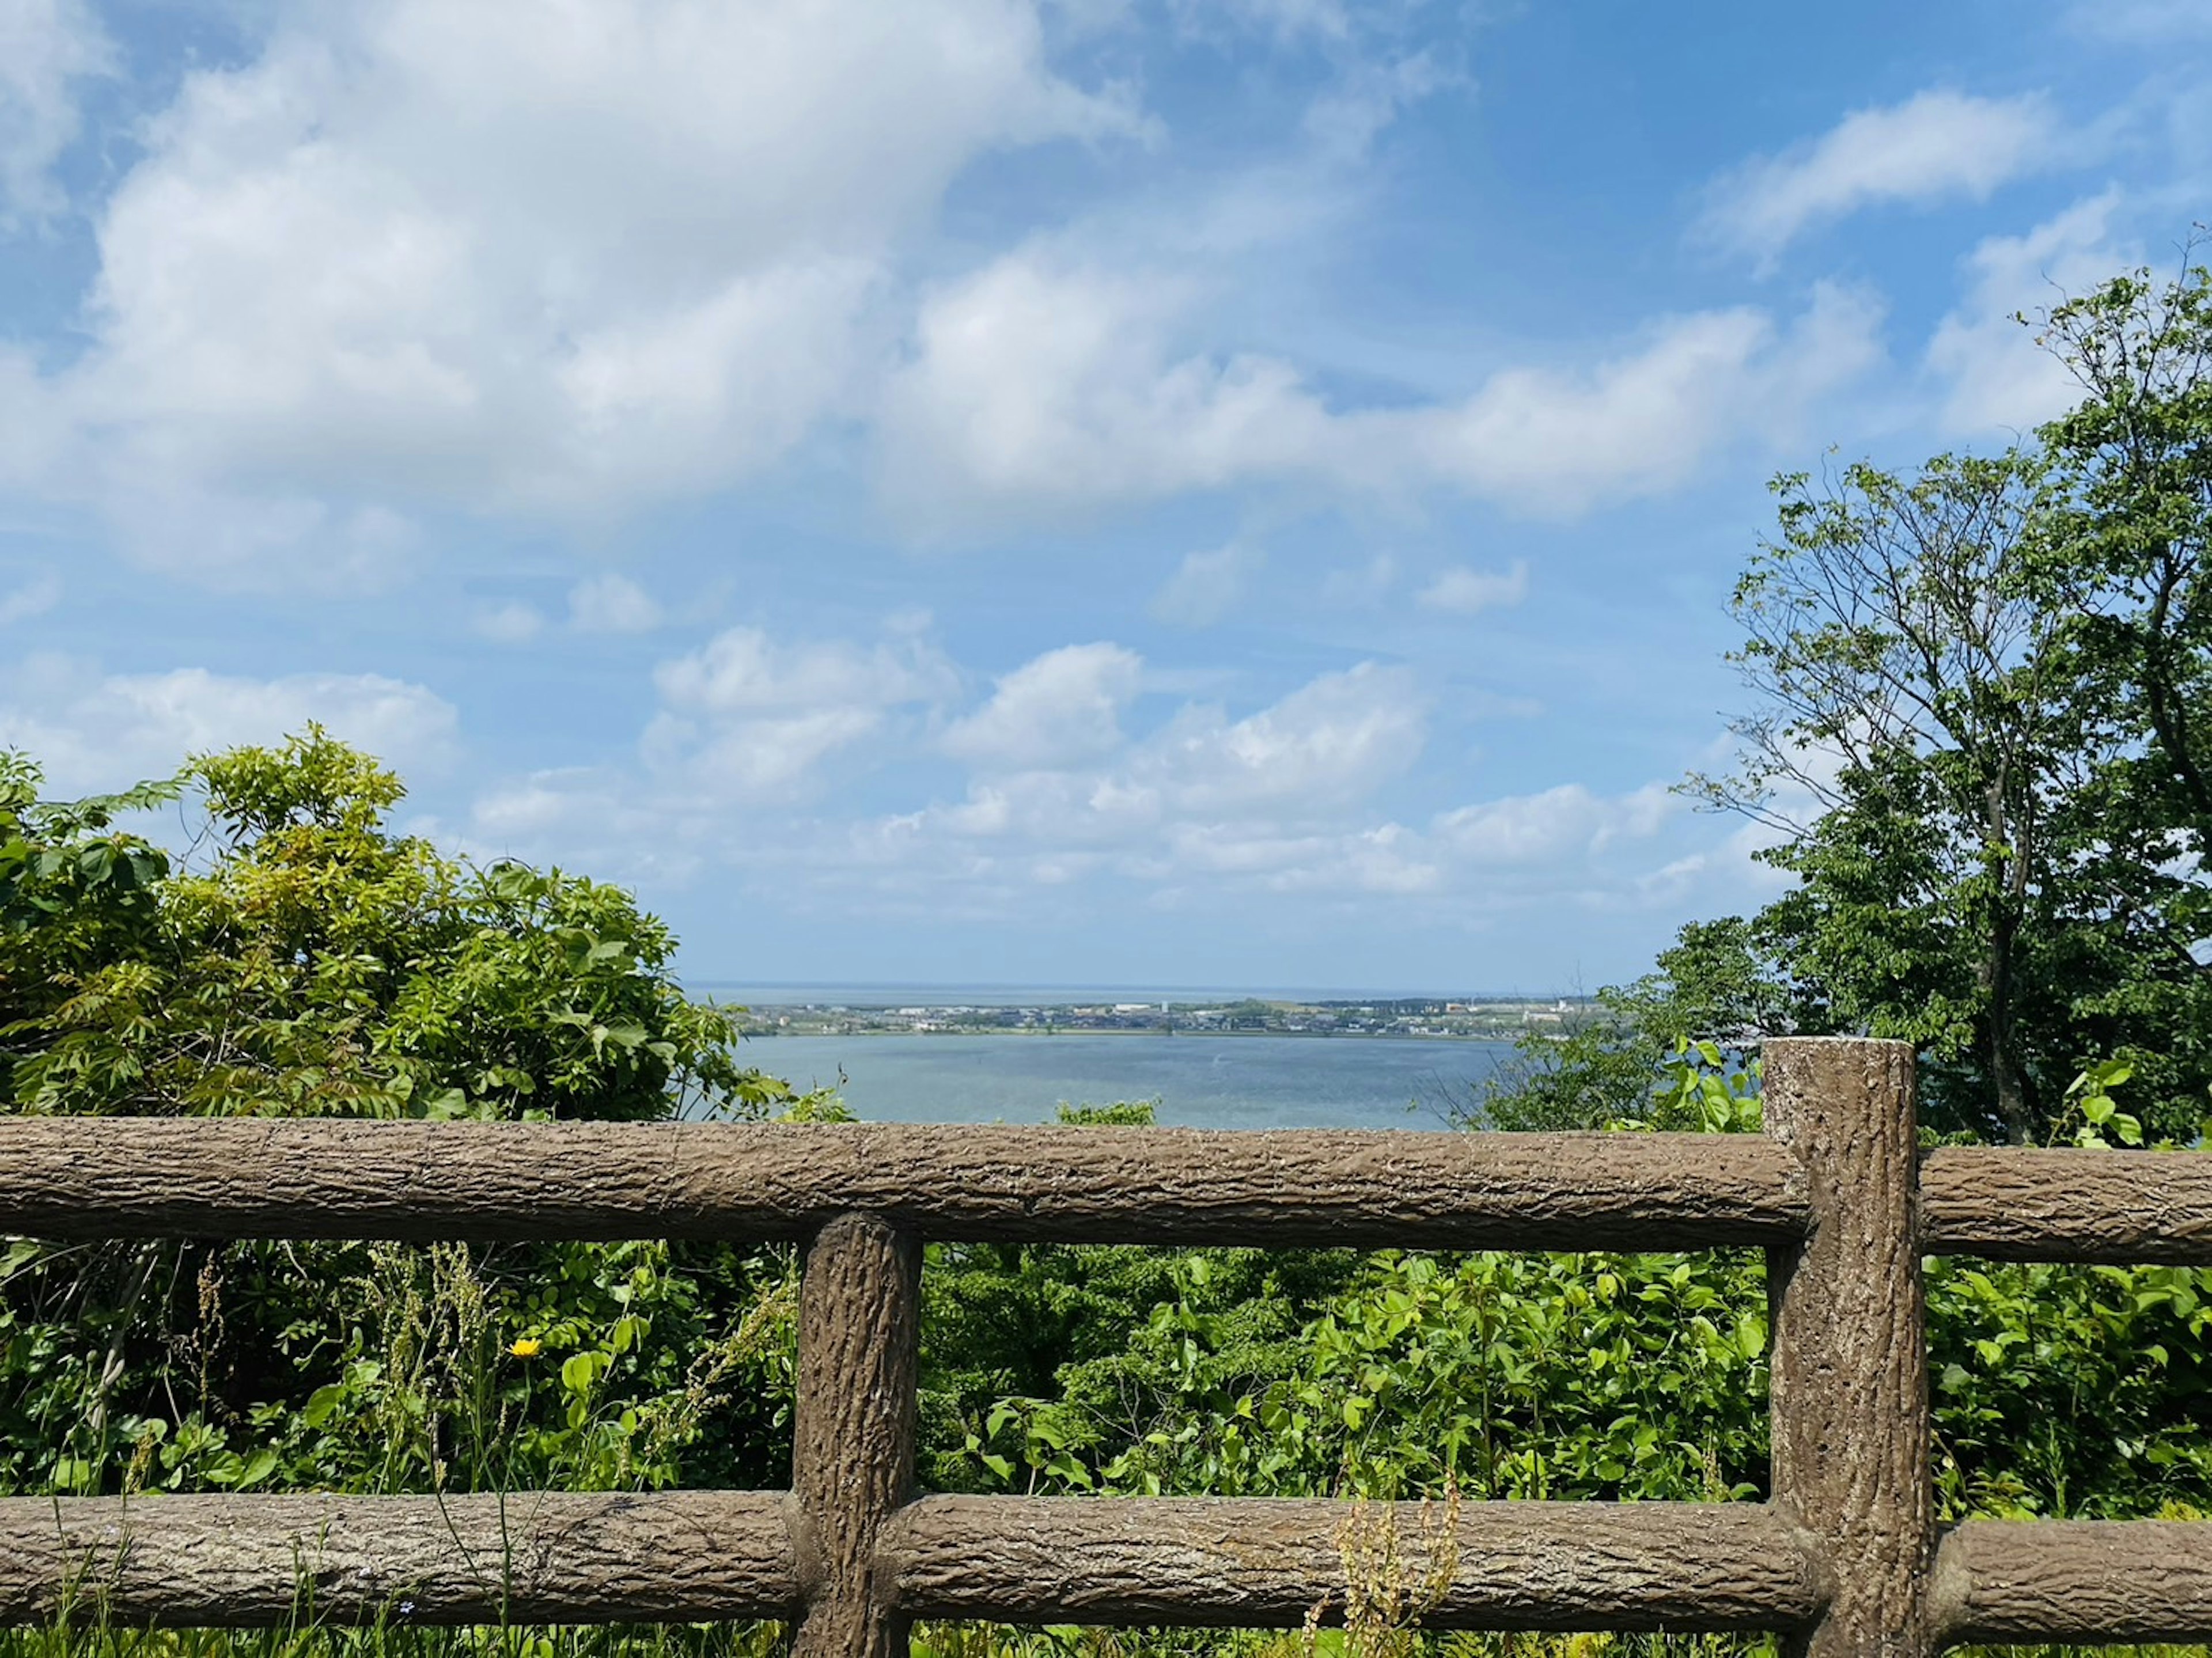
(1200,1082)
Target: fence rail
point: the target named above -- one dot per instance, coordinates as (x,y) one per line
(1845,1557)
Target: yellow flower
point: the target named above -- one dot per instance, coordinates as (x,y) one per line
(528,1347)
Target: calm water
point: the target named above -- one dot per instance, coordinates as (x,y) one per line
(1200,1082)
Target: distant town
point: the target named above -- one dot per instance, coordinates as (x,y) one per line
(1499,1020)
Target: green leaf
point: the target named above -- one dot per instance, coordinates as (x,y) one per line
(321,1403)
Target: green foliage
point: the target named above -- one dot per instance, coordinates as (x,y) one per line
(1982,738)
(1711,985)
(314,962)
(304,959)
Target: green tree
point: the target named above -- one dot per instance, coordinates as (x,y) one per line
(1908,745)
(301,958)
(1981,735)
(305,959)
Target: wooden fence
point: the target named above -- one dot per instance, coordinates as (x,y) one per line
(1845,1558)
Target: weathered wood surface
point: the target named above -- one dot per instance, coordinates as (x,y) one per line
(2084,1580)
(853,1431)
(259,1561)
(1267,1563)
(1852,1425)
(75,1178)
(2117,1207)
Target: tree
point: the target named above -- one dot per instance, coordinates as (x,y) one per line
(1906,748)
(1980,740)
(1983,736)
(301,957)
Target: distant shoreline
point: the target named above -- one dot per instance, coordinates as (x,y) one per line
(1032,1033)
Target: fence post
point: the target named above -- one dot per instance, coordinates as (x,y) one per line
(853,1439)
(1850,1413)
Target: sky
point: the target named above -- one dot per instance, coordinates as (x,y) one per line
(999,491)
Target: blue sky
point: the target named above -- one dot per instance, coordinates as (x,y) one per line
(974,490)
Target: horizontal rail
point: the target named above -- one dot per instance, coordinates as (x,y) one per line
(75,1178)
(244,1561)
(2088,1581)
(248,1561)
(258,1562)
(2120,1208)
(1260,1563)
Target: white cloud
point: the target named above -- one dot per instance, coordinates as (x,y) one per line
(1641,423)
(1332,740)
(748,716)
(1033,382)
(1285,801)
(1555,825)
(46,48)
(1998,380)
(1060,709)
(1470,592)
(92,730)
(611,603)
(1936,145)
(1068,802)
(35,598)
(1037,385)
(1207,586)
(643,256)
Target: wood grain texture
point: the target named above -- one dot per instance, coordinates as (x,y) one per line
(2090,1582)
(1852,1425)
(75,1178)
(2121,1208)
(263,1561)
(853,1431)
(1263,1563)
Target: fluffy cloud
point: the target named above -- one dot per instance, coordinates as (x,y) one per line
(1070,799)
(1330,742)
(1285,801)
(1470,592)
(1997,380)
(747,716)
(92,730)
(1037,385)
(642,257)
(1059,710)
(1549,826)
(1937,145)
(46,47)
(1283,789)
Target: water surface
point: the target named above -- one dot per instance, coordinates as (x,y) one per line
(1199,1081)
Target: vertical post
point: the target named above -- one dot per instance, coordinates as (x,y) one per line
(1850,1413)
(853,1439)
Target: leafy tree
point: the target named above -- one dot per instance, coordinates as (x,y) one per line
(1908,748)
(306,960)
(300,958)
(1982,729)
